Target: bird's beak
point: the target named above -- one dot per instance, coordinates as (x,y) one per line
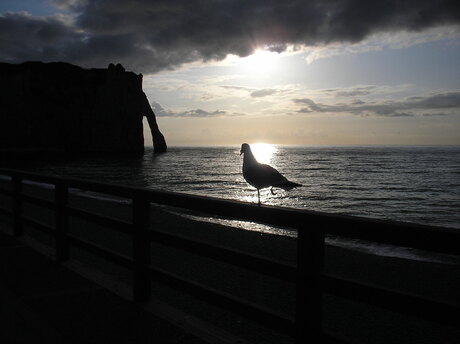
(241,152)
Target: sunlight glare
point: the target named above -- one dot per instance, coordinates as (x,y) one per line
(264,152)
(262,61)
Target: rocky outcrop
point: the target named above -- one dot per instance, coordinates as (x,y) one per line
(59,107)
(159,142)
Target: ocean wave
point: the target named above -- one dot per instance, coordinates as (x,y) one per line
(392,251)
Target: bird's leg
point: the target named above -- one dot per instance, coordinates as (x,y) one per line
(273,192)
(258,195)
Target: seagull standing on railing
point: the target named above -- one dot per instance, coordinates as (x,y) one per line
(261,175)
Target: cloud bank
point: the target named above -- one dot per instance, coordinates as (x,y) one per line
(150,36)
(196,113)
(442,103)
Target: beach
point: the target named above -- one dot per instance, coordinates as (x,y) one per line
(344,319)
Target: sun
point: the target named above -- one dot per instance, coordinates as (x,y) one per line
(260,62)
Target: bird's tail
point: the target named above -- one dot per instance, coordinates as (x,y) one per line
(287,185)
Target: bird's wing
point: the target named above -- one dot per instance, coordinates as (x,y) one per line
(262,176)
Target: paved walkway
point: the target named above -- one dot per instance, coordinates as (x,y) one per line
(43,302)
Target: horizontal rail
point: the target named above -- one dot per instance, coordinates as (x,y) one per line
(225,300)
(42,227)
(106,221)
(438,239)
(393,300)
(39,201)
(102,252)
(230,256)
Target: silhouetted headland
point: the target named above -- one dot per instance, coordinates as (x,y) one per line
(58,107)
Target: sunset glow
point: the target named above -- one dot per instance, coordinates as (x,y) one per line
(281,73)
(260,62)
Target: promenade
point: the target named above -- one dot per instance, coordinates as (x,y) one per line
(212,281)
(42,301)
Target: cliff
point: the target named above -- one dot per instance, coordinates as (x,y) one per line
(59,107)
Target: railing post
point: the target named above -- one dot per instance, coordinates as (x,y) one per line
(309,304)
(18,225)
(61,194)
(141,250)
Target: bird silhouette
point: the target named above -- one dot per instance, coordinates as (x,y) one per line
(260,175)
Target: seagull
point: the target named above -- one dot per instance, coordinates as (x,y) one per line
(261,175)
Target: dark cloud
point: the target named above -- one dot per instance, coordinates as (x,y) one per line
(254,93)
(162,112)
(409,107)
(263,93)
(148,36)
(24,37)
(238,88)
(68,5)
(352,92)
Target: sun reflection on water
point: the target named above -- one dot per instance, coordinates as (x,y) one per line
(264,152)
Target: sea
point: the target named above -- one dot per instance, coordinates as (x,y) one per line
(418,184)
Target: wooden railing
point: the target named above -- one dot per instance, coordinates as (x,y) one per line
(311,281)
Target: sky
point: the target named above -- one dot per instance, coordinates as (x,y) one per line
(223,72)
